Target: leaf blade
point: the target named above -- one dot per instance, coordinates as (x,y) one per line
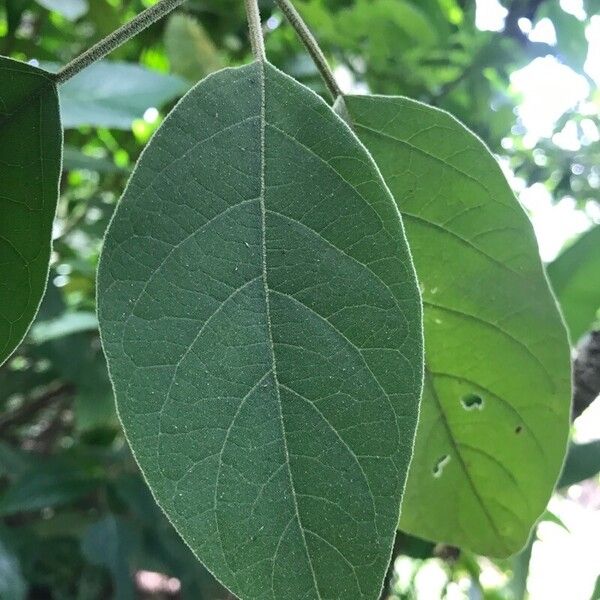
(30,159)
(113,94)
(287,282)
(486,301)
(573,275)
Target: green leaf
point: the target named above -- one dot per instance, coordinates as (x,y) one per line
(49,483)
(261,320)
(111,543)
(114,94)
(74,159)
(67,324)
(190,50)
(495,412)
(69,9)
(30,157)
(14,11)
(583,462)
(12,584)
(596,591)
(574,276)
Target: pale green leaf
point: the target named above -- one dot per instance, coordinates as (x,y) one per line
(191,52)
(261,320)
(69,9)
(30,157)
(67,324)
(495,412)
(12,583)
(114,94)
(575,277)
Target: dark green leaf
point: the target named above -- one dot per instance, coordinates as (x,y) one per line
(261,320)
(47,484)
(30,156)
(495,412)
(583,462)
(574,276)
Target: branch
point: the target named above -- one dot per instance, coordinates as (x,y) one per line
(116,38)
(586,372)
(311,45)
(29,409)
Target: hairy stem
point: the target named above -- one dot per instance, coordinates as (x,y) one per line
(255,28)
(311,45)
(116,38)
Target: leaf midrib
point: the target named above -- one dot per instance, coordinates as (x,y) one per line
(460,459)
(263,210)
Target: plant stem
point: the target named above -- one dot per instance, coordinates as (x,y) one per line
(255,28)
(116,38)
(311,45)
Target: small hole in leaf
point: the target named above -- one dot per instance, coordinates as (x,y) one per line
(518,429)
(440,464)
(472,402)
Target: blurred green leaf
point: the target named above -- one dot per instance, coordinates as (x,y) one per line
(191,52)
(114,94)
(575,277)
(69,9)
(583,462)
(67,324)
(74,159)
(596,592)
(12,584)
(111,543)
(14,10)
(49,483)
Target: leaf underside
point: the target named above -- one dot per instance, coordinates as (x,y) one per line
(495,410)
(30,163)
(261,319)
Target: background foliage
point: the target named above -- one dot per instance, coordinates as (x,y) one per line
(77,520)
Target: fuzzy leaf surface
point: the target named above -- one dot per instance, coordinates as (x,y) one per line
(262,324)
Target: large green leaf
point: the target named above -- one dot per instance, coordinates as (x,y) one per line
(30,157)
(575,277)
(495,412)
(261,320)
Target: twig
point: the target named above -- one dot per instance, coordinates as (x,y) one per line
(256,34)
(311,45)
(116,38)
(29,409)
